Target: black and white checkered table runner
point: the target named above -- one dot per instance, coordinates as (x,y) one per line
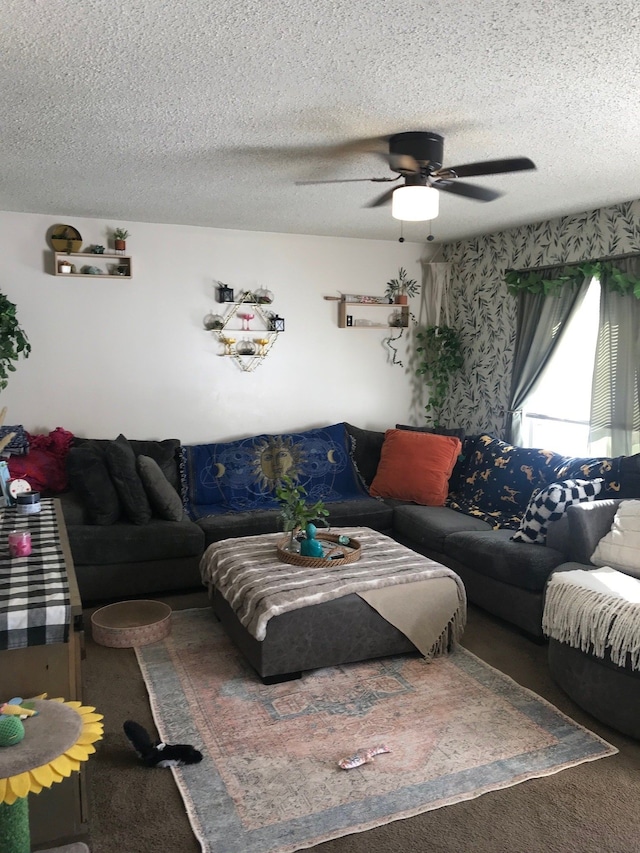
(35,604)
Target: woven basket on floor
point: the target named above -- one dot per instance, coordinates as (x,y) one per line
(351,552)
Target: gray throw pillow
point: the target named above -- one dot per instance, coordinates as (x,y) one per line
(165,501)
(89,478)
(121,462)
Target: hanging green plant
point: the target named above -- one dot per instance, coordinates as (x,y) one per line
(13,341)
(441,354)
(613,278)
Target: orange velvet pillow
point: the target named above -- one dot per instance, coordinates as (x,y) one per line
(415,466)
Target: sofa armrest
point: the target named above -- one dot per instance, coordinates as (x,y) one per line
(588,523)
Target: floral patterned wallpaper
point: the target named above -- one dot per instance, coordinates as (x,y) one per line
(485,312)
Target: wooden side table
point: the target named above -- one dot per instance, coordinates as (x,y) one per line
(52,667)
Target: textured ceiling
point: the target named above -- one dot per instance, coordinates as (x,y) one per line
(207,113)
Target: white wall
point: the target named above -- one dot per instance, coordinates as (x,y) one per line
(132,356)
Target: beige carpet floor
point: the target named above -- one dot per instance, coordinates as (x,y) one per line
(591,808)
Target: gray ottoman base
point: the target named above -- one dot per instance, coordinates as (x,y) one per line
(609,692)
(328,634)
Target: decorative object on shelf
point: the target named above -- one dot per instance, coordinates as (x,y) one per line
(364,299)
(213,322)
(64,266)
(264,297)
(401,288)
(246,347)
(246,317)
(62,260)
(295,511)
(277,323)
(228,344)
(65,238)
(225,293)
(119,240)
(441,353)
(97,250)
(89,270)
(263,343)
(13,342)
(122,269)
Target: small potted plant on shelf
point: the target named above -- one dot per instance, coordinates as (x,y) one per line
(119,237)
(401,288)
(296,512)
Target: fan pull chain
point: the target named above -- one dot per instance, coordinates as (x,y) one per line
(401,238)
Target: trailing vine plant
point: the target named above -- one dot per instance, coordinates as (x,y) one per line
(612,277)
(441,354)
(13,341)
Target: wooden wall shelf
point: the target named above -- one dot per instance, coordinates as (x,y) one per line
(79,260)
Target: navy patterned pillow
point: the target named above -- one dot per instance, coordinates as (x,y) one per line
(550,504)
(500,478)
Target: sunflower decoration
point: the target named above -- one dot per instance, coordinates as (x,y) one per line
(59,736)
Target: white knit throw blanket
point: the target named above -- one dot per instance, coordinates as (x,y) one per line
(594,611)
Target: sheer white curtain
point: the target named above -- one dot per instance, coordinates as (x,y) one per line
(437,277)
(615,402)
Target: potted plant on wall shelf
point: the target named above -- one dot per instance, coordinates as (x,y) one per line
(441,353)
(401,288)
(296,512)
(119,237)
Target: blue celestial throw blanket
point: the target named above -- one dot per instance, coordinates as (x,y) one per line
(240,476)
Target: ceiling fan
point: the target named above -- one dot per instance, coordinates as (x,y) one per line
(416,156)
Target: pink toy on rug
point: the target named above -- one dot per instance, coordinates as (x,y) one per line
(364,757)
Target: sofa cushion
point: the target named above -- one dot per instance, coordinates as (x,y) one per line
(121,462)
(620,547)
(500,479)
(89,477)
(366,447)
(457,432)
(415,466)
(494,554)
(429,526)
(125,542)
(242,475)
(165,501)
(550,504)
(364,512)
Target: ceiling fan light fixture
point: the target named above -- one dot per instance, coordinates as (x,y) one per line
(415,203)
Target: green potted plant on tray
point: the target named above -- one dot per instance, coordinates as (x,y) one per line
(296,512)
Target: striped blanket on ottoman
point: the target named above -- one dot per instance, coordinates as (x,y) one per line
(422,598)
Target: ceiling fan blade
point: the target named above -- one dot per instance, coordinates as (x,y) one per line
(486,167)
(466,190)
(346,181)
(382,199)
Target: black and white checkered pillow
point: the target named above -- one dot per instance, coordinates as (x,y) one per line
(550,504)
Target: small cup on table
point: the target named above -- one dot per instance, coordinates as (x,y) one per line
(19,543)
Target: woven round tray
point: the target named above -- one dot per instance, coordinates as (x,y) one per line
(131,623)
(351,552)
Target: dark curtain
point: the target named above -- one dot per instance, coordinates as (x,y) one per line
(541,320)
(615,401)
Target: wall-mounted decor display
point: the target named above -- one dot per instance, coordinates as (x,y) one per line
(396,317)
(235,329)
(68,263)
(65,238)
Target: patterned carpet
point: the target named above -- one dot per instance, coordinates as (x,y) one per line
(269,781)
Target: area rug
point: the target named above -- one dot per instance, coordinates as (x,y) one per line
(270,782)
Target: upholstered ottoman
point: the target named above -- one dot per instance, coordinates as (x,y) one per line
(286,619)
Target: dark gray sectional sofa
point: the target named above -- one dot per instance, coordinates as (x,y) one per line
(505,577)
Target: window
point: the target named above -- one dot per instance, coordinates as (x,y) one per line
(556,414)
